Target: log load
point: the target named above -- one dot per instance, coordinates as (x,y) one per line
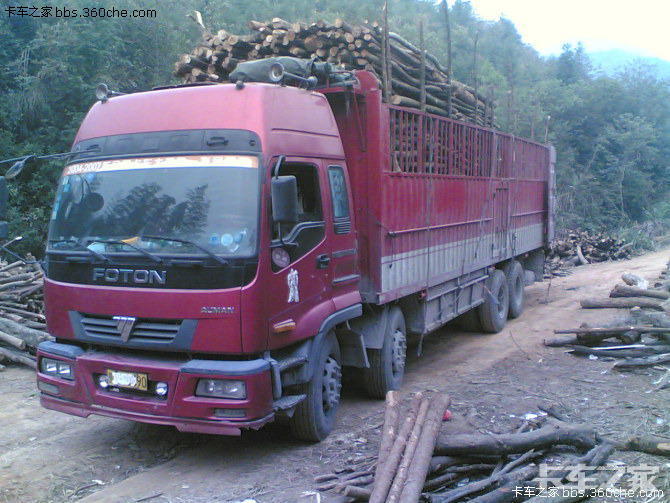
(22,321)
(345,46)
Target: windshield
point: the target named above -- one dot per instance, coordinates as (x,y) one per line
(164,205)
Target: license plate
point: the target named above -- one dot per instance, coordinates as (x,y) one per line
(129,380)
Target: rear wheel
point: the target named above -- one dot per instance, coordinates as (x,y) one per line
(314,417)
(515,284)
(387,365)
(493,312)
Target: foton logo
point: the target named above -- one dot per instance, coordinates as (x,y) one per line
(141,276)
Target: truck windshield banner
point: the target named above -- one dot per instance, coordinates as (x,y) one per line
(185,161)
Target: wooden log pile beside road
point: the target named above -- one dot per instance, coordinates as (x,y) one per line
(22,321)
(416,78)
(640,339)
(419,461)
(581,247)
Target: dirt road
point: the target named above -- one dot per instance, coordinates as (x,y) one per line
(46,456)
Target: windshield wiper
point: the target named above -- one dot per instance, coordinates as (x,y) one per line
(220,260)
(81,247)
(153,257)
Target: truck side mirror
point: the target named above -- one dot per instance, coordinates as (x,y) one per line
(285,199)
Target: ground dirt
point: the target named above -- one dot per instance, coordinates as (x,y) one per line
(494,380)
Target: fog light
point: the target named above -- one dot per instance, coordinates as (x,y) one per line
(232,413)
(221,388)
(161,388)
(49,388)
(103,381)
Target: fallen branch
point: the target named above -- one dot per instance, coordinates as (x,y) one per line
(649,444)
(643,362)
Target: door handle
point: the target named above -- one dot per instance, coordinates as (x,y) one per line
(322,261)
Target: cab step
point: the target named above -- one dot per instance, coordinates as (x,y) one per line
(286,404)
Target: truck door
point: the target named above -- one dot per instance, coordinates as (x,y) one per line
(500,219)
(342,237)
(298,295)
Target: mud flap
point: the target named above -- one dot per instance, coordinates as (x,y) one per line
(372,327)
(352,348)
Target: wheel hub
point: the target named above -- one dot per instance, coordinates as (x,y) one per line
(501,301)
(399,352)
(332,384)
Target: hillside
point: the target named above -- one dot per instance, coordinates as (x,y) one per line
(615,59)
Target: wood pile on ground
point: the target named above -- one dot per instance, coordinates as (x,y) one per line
(640,339)
(22,322)
(419,462)
(582,247)
(414,77)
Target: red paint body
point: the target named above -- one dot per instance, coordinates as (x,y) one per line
(417,183)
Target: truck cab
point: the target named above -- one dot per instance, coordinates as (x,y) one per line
(174,295)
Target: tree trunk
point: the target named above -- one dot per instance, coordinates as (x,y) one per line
(620,303)
(31,336)
(390,428)
(14,341)
(424,450)
(385,474)
(633,291)
(511,443)
(18,358)
(408,454)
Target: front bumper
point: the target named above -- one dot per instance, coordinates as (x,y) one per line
(181,408)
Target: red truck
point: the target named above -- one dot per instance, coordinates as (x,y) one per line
(218,253)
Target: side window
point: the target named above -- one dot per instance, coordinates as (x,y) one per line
(310,228)
(338,194)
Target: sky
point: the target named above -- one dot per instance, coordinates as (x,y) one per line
(642,27)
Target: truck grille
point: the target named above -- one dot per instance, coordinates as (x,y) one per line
(144,329)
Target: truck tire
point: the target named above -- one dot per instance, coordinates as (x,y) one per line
(314,417)
(387,365)
(493,312)
(515,283)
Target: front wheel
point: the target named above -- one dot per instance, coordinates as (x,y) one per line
(314,417)
(387,365)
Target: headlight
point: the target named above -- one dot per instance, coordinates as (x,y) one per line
(57,368)
(221,388)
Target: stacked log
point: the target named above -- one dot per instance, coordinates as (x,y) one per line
(641,339)
(582,247)
(346,47)
(419,462)
(22,322)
